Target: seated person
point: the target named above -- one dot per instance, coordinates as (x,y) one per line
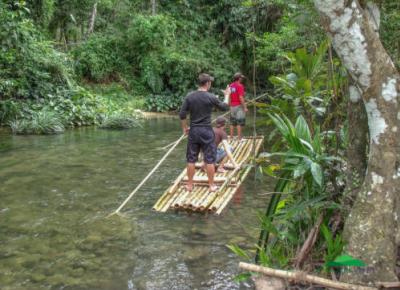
(221,136)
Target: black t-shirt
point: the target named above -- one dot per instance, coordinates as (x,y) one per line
(199,105)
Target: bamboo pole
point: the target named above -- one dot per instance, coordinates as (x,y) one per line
(199,197)
(303,277)
(168,204)
(228,198)
(170,191)
(223,115)
(148,175)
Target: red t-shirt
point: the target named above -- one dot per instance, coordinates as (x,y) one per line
(237,90)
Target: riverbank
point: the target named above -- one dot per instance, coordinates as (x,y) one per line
(104,106)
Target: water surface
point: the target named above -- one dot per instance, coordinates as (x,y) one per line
(55,192)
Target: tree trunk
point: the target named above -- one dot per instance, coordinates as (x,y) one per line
(153,7)
(357,146)
(370,227)
(92,20)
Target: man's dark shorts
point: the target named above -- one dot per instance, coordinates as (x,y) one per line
(201,138)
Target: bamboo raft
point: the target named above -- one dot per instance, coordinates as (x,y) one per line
(176,197)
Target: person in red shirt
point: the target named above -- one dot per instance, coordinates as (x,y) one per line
(237,105)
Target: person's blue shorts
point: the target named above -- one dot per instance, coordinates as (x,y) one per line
(221,153)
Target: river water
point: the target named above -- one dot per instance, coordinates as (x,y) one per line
(55,192)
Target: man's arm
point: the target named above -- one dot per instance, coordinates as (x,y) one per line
(220,105)
(243,102)
(241,98)
(184,126)
(182,116)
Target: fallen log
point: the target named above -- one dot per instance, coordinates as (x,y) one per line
(302,277)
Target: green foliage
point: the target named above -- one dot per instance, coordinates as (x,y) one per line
(390,28)
(162,103)
(301,181)
(29,66)
(346,260)
(306,84)
(334,246)
(119,120)
(297,27)
(100,59)
(41,122)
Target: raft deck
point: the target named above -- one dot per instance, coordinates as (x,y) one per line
(176,197)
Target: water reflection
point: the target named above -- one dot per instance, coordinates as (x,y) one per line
(56,191)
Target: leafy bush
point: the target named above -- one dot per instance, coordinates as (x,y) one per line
(162,103)
(119,120)
(29,66)
(100,59)
(42,122)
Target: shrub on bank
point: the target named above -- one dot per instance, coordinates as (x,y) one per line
(119,120)
(42,122)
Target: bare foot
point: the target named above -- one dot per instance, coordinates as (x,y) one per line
(221,170)
(189,187)
(213,188)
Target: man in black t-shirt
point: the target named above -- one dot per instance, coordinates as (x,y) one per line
(199,104)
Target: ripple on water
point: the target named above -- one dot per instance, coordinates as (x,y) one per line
(57,190)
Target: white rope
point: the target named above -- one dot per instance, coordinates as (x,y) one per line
(148,175)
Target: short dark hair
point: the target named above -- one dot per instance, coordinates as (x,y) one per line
(204,78)
(220,122)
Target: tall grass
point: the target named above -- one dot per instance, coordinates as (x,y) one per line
(42,122)
(119,120)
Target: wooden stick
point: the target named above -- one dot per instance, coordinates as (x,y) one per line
(303,277)
(229,153)
(148,175)
(305,250)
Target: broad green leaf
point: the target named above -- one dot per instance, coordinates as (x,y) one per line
(242,277)
(346,260)
(316,172)
(302,129)
(238,251)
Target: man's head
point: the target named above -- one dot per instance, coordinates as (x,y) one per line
(205,81)
(220,122)
(238,77)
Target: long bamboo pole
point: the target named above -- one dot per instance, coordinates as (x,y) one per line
(223,115)
(301,276)
(148,175)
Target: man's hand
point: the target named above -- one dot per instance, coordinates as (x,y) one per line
(186,130)
(246,110)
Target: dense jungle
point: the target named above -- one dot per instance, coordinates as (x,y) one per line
(89,94)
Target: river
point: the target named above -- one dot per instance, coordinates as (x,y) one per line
(55,194)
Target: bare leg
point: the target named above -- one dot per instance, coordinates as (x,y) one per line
(239,131)
(231,129)
(210,174)
(190,172)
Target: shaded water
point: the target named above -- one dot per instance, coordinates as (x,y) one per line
(55,192)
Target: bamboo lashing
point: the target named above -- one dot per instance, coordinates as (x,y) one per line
(200,199)
(302,277)
(174,145)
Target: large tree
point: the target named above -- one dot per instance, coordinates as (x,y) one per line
(371,227)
